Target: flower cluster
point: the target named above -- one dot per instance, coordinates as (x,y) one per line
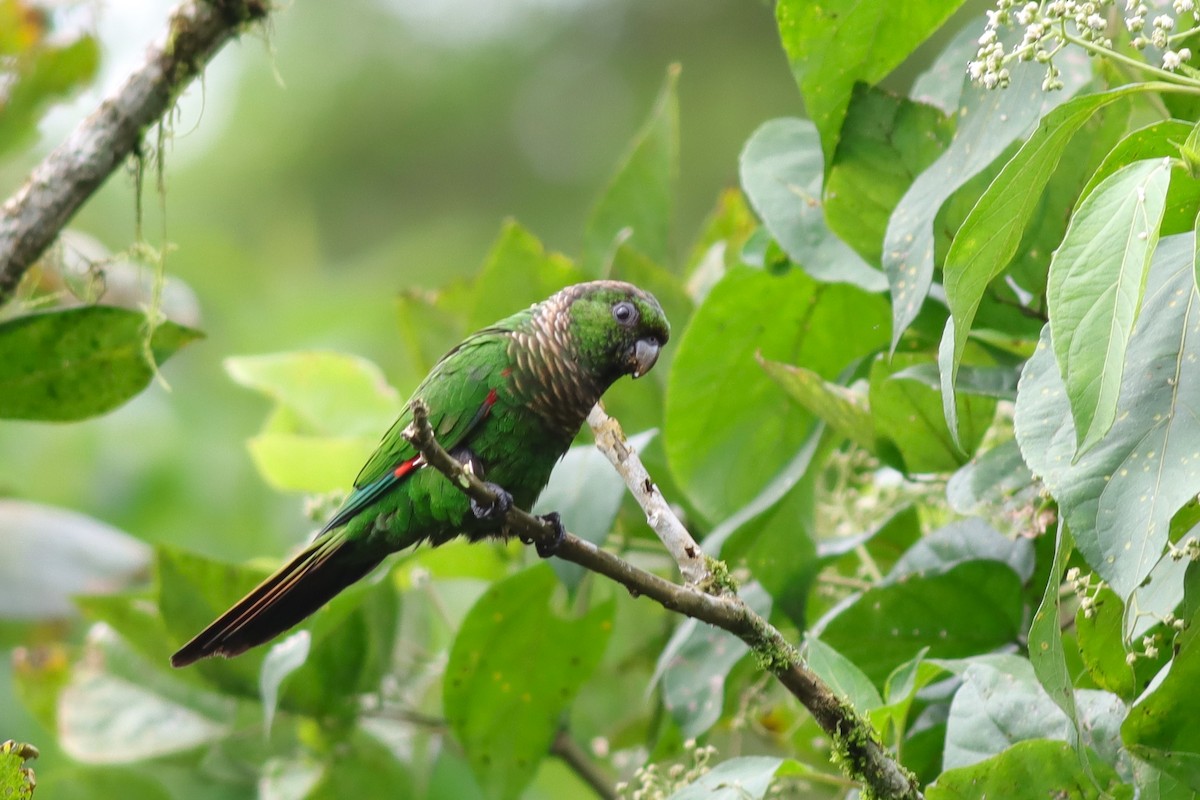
(1189,549)
(1086,589)
(1048,26)
(651,782)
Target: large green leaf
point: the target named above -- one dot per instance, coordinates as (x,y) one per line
(989,122)
(781,172)
(638,198)
(990,235)
(514,667)
(328,393)
(727,423)
(518,272)
(886,142)
(1119,496)
(841,675)
(1030,770)
(974,607)
(1097,278)
(843,409)
(1101,636)
(81,362)
(911,431)
(1161,728)
(832,46)
(1160,139)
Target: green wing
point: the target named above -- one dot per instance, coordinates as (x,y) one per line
(458,392)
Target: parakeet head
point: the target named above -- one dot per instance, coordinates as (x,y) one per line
(616,328)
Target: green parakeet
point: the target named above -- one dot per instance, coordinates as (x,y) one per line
(507,401)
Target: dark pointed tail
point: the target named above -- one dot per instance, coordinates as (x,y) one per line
(303,585)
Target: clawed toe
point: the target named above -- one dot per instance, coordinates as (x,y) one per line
(497,510)
(546,549)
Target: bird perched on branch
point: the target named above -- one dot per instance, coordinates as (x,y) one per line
(507,402)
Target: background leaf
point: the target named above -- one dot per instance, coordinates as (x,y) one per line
(490,685)
(74,364)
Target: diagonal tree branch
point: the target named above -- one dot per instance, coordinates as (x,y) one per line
(855,742)
(611,441)
(32,218)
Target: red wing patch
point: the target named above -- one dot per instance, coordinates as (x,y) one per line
(408,466)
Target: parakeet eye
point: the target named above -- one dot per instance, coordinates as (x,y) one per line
(625,313)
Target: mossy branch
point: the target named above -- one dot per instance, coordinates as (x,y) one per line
(33,217)
(859,752)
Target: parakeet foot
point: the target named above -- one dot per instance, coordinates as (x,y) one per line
(497,510)
(547,549)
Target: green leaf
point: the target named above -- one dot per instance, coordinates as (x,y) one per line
(1097,278)
(430,324)
(988,124)
(695,662)
(295,462)
(886,142)
(332,394)
(782,527)
(1102,645)
(842,676)
(1030,770)
(192,592)
(744,778)
(999,704)
(518,272)
(78,363)
(1161,728)
(910,429)
(638,197)
(514,668)
(747,426)
(997,477)
(49,554)
(843,409)
(16,776)
(974,607)
(1046,654)
(959,542)
(832,46)
(106,719)
(781,171)
(586,490)
(989,237)
(1119,497)
(1159,139)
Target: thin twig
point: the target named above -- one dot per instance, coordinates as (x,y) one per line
(574,757)
(33,217)
(611,441)
(854,740)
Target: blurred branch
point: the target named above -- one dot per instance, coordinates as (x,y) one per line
(574,757)
(611,441)
(855,742)
(32,218)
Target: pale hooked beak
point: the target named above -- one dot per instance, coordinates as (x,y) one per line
(645,354)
